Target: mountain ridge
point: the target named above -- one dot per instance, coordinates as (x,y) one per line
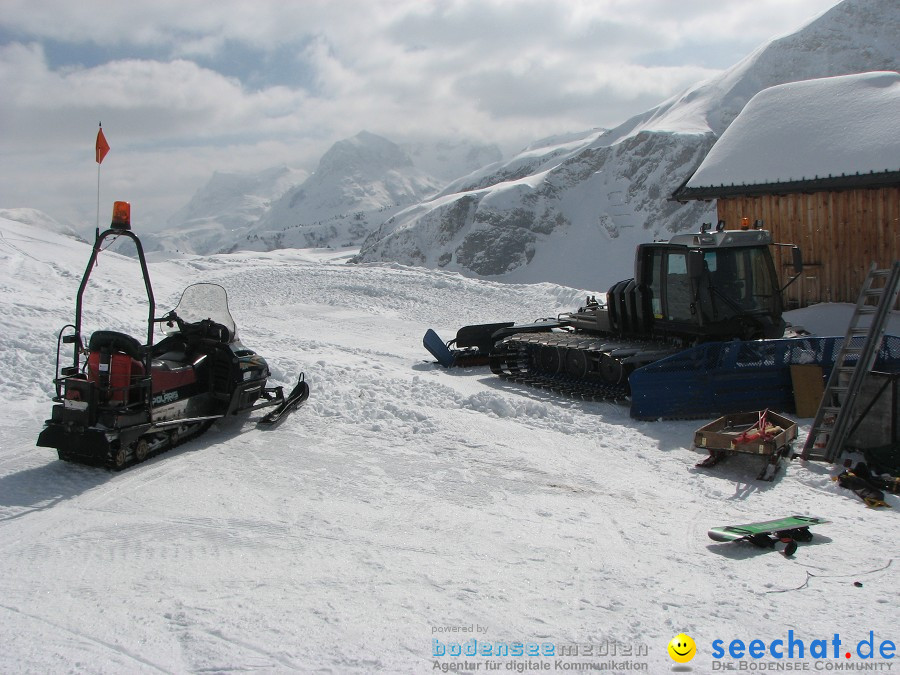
(560,214)
(359,182)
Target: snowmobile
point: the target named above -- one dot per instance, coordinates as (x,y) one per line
(122,401)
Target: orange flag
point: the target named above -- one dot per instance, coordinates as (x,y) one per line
(102,146)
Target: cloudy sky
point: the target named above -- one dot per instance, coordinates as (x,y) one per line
(184,88)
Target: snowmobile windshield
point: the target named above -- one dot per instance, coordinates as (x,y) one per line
(203,301)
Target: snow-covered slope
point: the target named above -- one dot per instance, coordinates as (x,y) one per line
(402,504)
(40,220)
(572,212)
(222,210)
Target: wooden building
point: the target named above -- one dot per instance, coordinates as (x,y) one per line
(819,163)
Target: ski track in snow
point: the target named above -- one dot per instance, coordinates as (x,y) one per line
(400,499)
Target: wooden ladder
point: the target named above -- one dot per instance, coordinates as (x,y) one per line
(853,364)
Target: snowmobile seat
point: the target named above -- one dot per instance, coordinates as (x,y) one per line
(169,347)
(170,361)
(113,341)
(167,375)
(171,366)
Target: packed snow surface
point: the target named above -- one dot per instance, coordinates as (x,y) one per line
(401,505)
(777,136)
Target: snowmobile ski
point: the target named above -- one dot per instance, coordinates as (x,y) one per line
(769,533)
(293,401)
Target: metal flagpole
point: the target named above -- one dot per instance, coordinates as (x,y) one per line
(101,148)
(98,198)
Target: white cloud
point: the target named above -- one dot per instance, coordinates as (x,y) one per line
(184,89)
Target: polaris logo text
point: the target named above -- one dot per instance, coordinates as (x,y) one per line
(162,399)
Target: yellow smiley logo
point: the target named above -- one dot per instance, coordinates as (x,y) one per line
(682,648)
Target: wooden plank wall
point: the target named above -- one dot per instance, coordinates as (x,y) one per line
(840,234)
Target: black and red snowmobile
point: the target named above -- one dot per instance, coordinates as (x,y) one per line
(122,400)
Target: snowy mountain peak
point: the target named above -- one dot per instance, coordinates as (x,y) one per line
(237,198)
(365,154)
(572,210)
(229,203)
(854,36)
(360,181)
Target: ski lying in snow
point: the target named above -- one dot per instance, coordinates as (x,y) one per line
(299,394)
(767,534)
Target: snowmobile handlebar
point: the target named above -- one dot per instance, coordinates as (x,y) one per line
(171,319)
(205,328)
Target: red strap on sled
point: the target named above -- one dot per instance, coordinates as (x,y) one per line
(757,431)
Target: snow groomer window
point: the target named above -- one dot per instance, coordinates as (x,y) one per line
(678,287)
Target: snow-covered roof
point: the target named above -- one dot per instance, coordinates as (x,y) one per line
(828,133)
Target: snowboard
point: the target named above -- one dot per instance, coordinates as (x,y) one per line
(767,533)
(433,343)
(297,396)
